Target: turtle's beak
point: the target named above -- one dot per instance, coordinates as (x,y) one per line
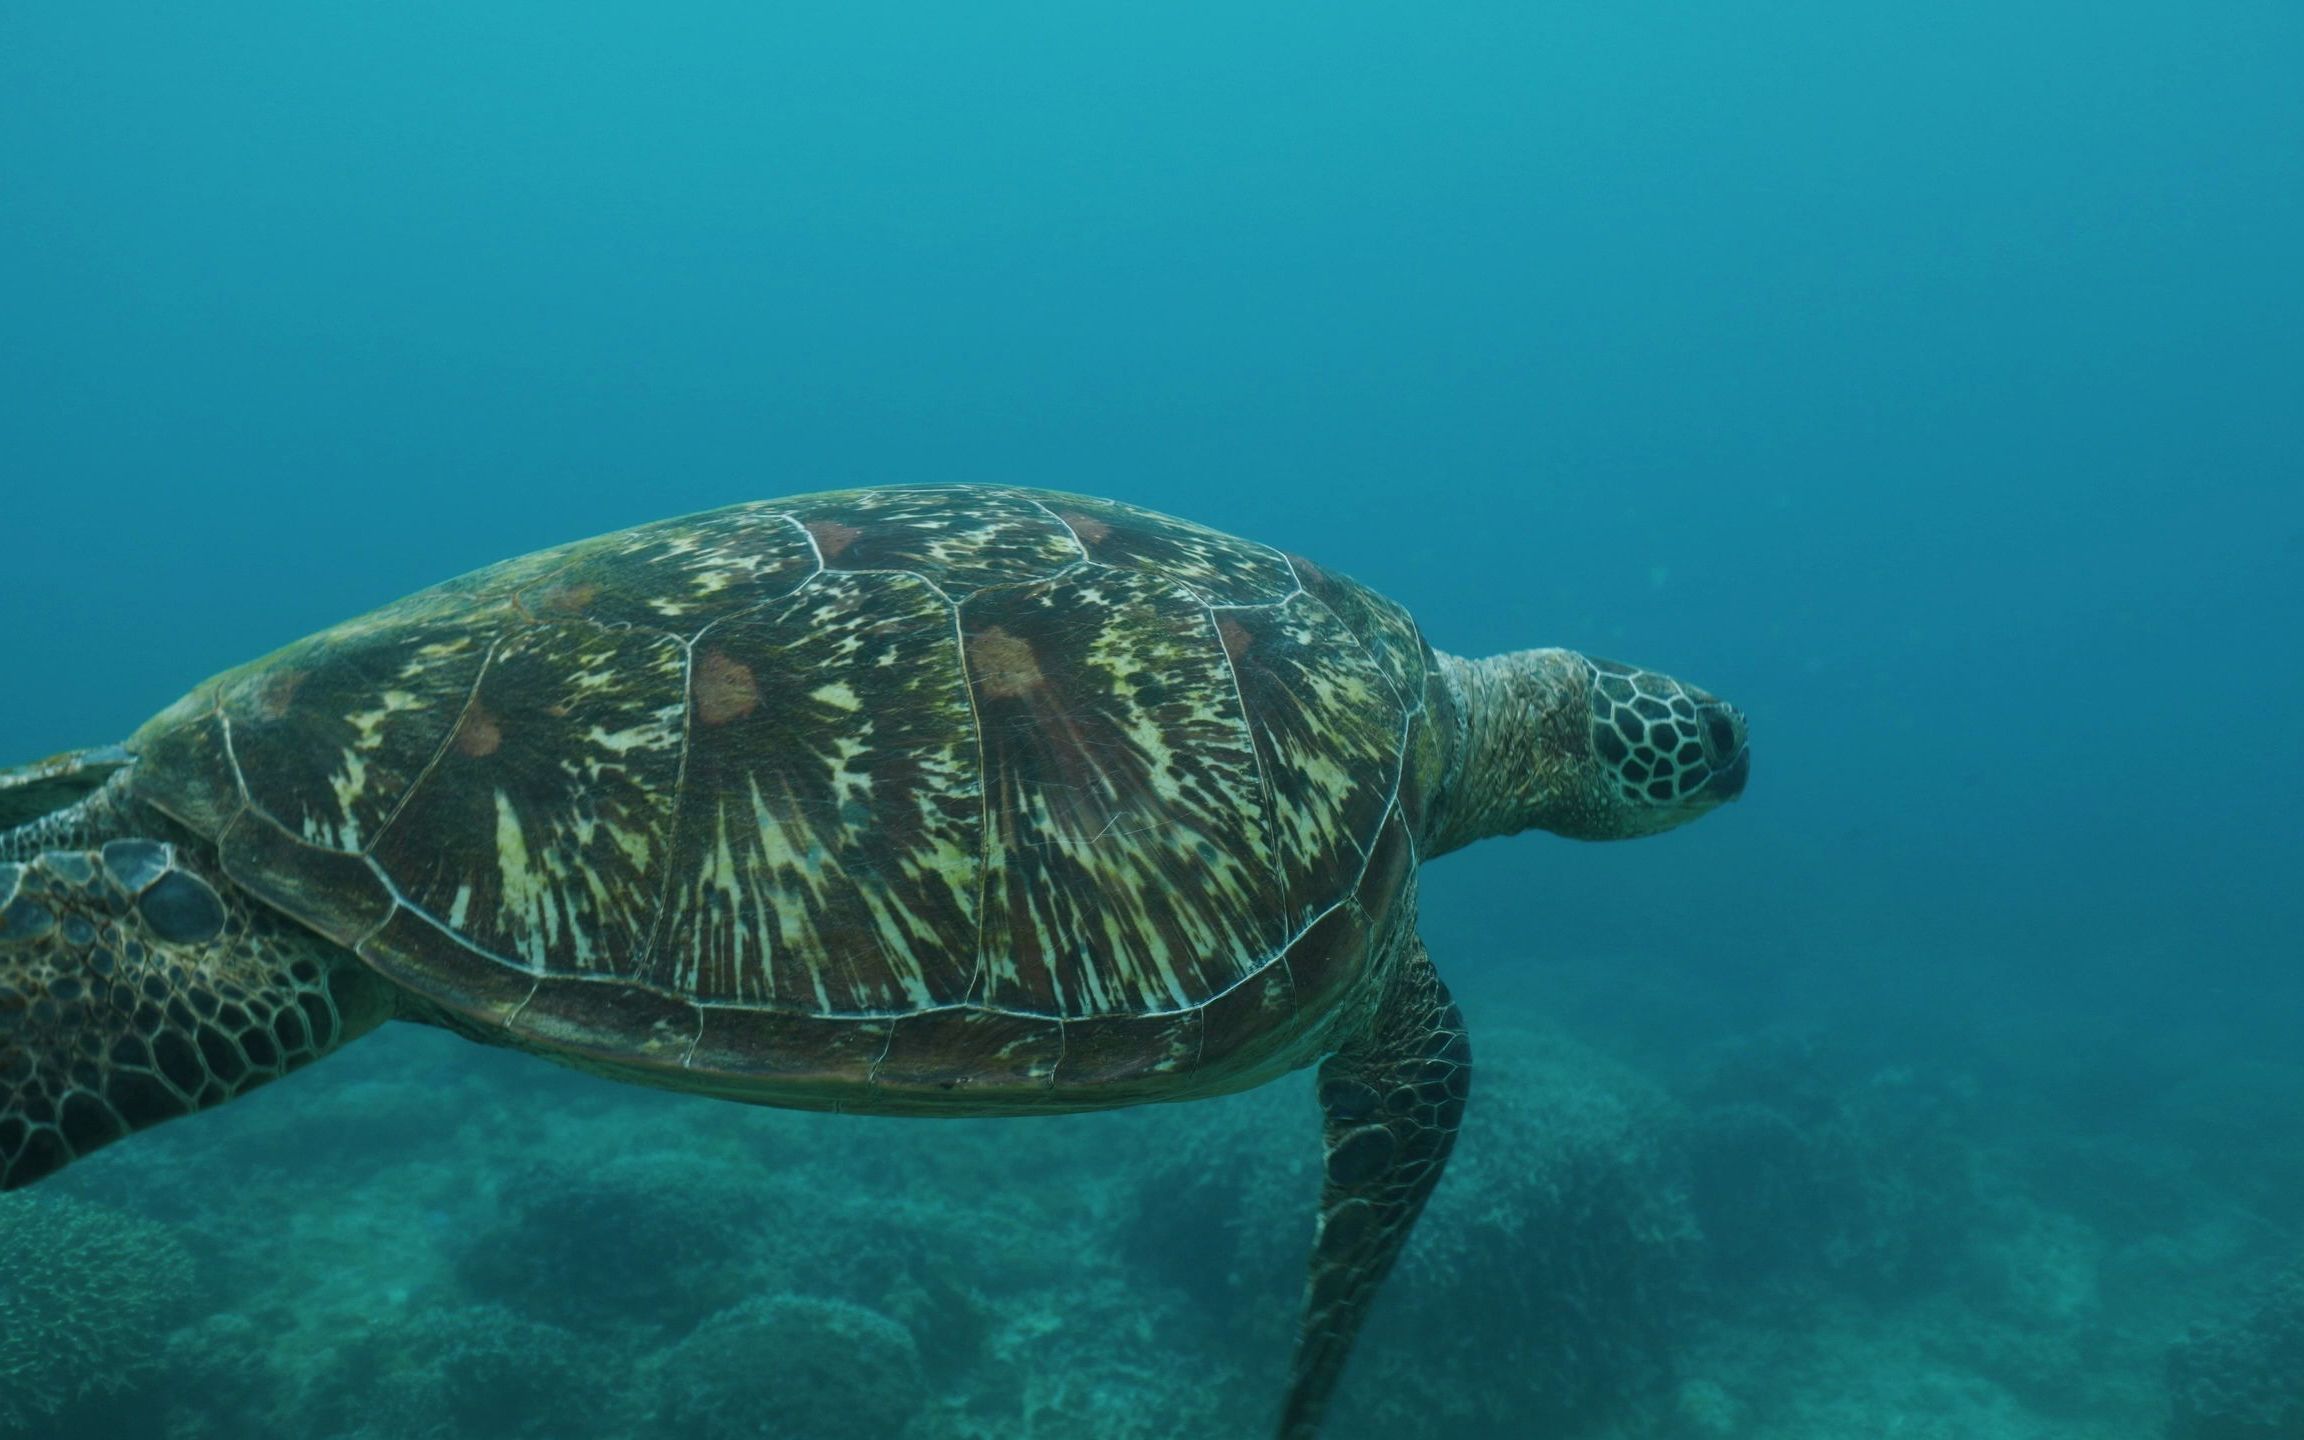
(1728,784)
(1727,752)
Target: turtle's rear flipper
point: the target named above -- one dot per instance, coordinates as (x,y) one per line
(1393,1101)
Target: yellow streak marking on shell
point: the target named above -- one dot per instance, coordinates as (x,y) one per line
(617,742)
(527,895)
(780,854)
(730,882)
(348,782)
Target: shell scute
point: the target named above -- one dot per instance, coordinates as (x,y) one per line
(184,764)
(337,894)
(1126,1055)
(330,737)
(1424,765)
(541,832)
(1331,955)
(678,575)
(1387,631)
(438,967)
(487,598)
(968,1048)
(1220,569)
(1388,887)
(801,1055)
(828,846)
(608,1020)
(1328,733)
(1242,1026)
(960,543)
(1127,866)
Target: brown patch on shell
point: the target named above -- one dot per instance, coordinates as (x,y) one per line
(479,736)
(275,694)
(725,688)
(565,599)
(1236,637)
(832,537)
(1090,529)
(1003,665)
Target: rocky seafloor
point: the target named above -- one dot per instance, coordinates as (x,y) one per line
(1790,1234)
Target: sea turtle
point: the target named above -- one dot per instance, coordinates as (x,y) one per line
(954,800)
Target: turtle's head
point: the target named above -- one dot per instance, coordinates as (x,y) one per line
(136,987)
(1586,748)
(1658,753)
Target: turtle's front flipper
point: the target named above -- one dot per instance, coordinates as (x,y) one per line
(29,792)
(1393,1101)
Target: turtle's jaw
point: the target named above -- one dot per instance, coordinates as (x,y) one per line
(1726,763)
(1727,782)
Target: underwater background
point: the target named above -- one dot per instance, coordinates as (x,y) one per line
(1928,380)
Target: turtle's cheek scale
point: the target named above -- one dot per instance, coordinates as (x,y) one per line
(181,909)
(132,992)
(1662,744)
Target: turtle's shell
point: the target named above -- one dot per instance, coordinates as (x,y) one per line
(858,799)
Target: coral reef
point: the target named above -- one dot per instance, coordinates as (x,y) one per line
(476,1370)
(427,1373)
(87,1295)
(2243,1379)
(796,1367)
(1775,1237)
(1111,1357)
(653,1241)
(1804,1157)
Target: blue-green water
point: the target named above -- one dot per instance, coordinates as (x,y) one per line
(1930,381)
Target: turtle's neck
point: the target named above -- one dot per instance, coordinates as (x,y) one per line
(1510,744)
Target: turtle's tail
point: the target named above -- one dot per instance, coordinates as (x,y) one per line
(134,989)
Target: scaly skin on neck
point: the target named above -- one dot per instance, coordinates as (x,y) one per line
(1521,747)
